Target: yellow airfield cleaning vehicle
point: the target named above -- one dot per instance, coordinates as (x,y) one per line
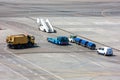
(20,41)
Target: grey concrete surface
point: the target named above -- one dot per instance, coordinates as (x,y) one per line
(71,62)
(96,20)
(57,8)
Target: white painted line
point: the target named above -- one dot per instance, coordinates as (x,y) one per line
(36,74)
(42,77)
(30,71)
(5,49)
(24,67)
(16,72)
(14,62)
(35,65)
(12,69)
(72,55)
(19,65)
(97,64)
(4,56)
(90,60)
(106,23)
(9,59)
(48,55)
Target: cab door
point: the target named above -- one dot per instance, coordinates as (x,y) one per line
(101,50)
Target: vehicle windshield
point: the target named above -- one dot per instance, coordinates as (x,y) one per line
(73,36)
(63,39)
(110,50)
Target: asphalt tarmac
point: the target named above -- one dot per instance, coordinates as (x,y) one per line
(96,21)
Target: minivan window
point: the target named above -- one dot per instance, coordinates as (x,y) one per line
(102,48)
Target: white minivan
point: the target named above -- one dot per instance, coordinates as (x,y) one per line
(107,51)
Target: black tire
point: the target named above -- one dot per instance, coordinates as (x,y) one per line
(105,54)
(48,40)
(39,29)
(55,31)
(22,46)
(9,46)
(30,44)
(98,52)
(92,48)
(78,43)
(18,46)
(44,30)
(14,47)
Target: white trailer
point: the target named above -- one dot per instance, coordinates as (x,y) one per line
(45,25)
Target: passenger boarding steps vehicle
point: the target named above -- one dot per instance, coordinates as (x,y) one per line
(45,25)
